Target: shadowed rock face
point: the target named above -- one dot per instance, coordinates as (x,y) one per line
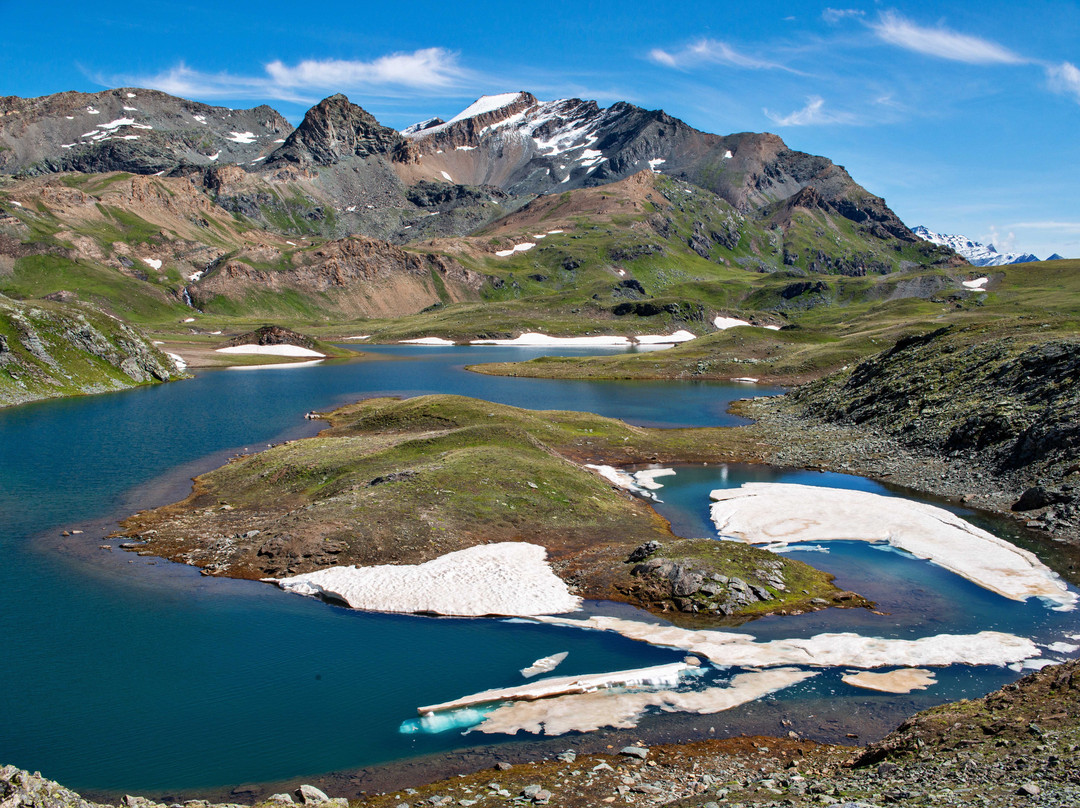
(335,129)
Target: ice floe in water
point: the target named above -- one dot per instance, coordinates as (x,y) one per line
(544,665)
(822,650)
(903,680)
(778,514)
(587,712)
(506,578)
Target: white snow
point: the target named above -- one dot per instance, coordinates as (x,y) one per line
(16,204)
(505,578)
(663,675)
(745,380)
(242,137)
(544,664)
(591,158)
(130,109)
(270,350)
(93,111)
(617,708)
(523,247)
(427,341)
(188,320)
(117,123)
(778,514)
(655,164)
(553,232)
(359,336)
(281,140)
(350,209)
(202,119)
(639,482)
(724,323)
(194,276)
(178,360)
(70,117)
(281,366)
(214,156)
(543,340)
(153,263)
(130,95)
(772,327)
(903,680)
(257,160)
(728,155)
(822,650)
(464,148)
(978,283)
(1062,647)
(446,176)
(662,339)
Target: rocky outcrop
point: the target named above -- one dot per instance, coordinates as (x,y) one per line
(54,348)
(272,335)
(333,130)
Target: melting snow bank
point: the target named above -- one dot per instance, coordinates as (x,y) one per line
(978,283)
(508,578)
(427,341)
(639,482)
(277,366)
(724,323)
(607,708)
(543,340)
(822,650)
(659,675)
(178,360)
(270,350)
(534,339)
(779,514)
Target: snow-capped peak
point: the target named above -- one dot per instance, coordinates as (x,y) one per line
(484,104)
(977,254)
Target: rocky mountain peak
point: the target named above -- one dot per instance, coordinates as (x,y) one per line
(335,129)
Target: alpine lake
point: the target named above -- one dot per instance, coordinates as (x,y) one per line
(130,674)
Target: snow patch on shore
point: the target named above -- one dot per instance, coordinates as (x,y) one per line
(278,366)
(532,339)
(270,350)
(665,339)
(978,283)
(427,341)
(639,482)
(506,578)
(778,514)
(178,360)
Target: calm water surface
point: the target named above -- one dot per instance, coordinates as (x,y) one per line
(131,674)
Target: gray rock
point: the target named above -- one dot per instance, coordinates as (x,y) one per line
(282,798)
(644,551)
(639,752)
(309,795)
(1029,790)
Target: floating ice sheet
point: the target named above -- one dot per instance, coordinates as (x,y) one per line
(778,514)
(903,680)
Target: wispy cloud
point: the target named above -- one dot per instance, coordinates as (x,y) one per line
(711,51)
(428,70)
(1064,78)
(1063,227)
(942,43)
(834,15)
(814,113)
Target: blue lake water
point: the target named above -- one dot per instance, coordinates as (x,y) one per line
(123,673)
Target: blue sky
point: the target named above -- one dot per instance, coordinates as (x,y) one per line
(963,115)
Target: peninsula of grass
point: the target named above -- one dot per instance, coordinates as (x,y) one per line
(404,482)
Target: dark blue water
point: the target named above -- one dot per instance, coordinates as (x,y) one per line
(131,674)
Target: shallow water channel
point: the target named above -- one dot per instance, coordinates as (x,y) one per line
(129,674)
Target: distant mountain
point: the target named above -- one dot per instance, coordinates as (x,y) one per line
(979,255)
(131,129)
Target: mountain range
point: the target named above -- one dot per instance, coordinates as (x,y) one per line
(977,254)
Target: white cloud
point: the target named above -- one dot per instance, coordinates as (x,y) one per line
(711,51)
(942,43)
(834,15)
(814,113)
(428,69)
(1064,78)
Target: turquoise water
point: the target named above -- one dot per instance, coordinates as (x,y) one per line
(123,673)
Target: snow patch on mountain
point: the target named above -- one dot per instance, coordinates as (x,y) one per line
(980,255)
